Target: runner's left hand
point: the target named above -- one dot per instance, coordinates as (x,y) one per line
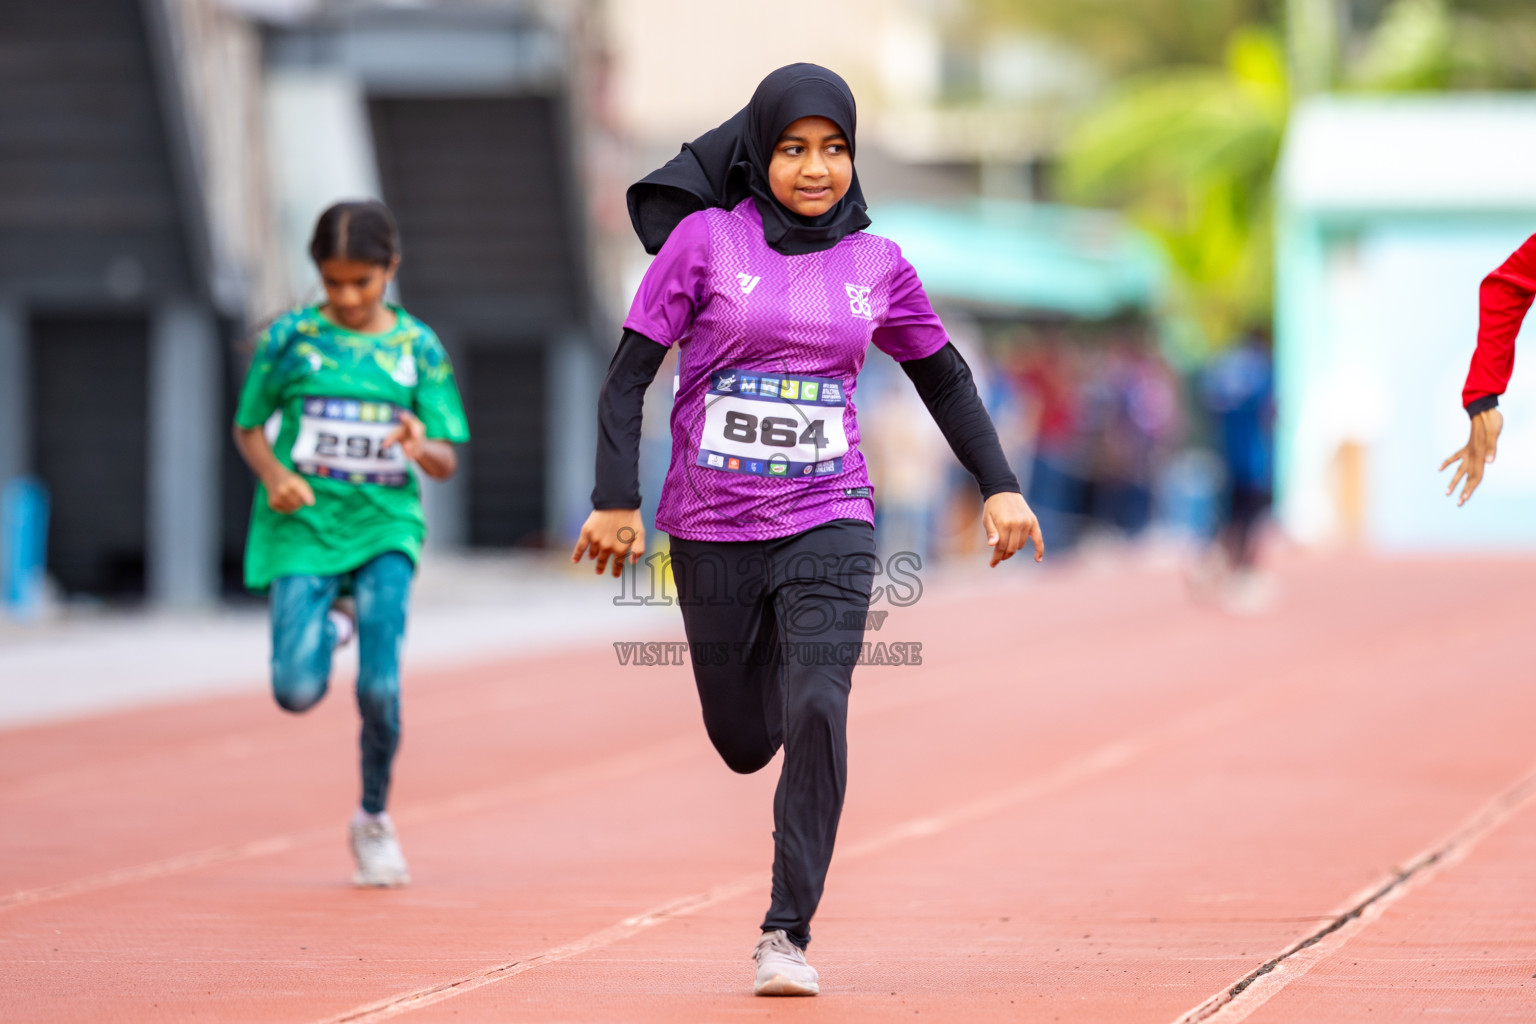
(410,435)
(1010,524)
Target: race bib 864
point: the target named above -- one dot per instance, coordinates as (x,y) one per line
(774,425)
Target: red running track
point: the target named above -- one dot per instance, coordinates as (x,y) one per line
(1093,802)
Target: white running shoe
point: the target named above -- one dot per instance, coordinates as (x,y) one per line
(781,967)
(343,616)
(379,860)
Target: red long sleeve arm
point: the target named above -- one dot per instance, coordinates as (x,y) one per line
(1506,296)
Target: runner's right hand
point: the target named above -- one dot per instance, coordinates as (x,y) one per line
(1476,454)
(289,493)
(611,533)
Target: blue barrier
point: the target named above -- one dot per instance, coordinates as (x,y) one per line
(23,546)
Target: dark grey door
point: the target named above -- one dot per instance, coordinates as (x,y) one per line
(90,428)
(504,391)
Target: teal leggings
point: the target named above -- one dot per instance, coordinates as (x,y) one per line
(302,639)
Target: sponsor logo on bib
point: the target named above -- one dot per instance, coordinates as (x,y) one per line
(786,425)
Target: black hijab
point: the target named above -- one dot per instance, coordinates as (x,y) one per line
(726,165)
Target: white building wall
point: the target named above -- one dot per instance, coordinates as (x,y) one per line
(1393,211)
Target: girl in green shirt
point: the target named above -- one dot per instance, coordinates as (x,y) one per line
(364,391)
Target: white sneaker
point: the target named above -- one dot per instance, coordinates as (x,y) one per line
(781,967)
(379,860)
(343,616)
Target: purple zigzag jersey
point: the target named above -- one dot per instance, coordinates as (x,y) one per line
(764,431)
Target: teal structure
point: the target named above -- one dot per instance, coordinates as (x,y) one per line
(1027,258)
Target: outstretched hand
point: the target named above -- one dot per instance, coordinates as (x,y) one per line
(1009,524)
(614,533)
(1476,454)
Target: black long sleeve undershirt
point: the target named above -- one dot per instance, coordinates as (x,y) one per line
(619,408)
(943,381)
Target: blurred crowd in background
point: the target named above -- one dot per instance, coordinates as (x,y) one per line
(1199,252)
(1111,443)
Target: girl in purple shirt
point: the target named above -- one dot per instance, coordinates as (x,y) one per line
(766,281)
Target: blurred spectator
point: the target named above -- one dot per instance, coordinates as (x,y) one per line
(1239,396)
(1136,413)
(1104,420)
(906,456)
(1057,489)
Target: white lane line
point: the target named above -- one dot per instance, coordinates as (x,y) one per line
(163,868)
(1256,988)
(1098,762)
(555,783)
(394,1005)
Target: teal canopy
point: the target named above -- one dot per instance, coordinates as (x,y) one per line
(1027,258)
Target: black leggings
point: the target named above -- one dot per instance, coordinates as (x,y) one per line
(775,628)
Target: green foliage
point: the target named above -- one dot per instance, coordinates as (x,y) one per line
(1411,48)
(1132,35)
(1389,44)
(1434,44)
(1189,152)
(1188,139)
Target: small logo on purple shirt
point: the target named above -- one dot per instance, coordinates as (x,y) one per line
(725,383)
(858,300)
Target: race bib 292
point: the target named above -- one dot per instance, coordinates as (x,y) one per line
(343,439)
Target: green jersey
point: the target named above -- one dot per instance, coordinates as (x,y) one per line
(340,394)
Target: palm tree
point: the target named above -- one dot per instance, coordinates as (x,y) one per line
(1190,152)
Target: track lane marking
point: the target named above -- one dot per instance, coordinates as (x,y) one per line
(447,807)
(1098,762)
(1395,641)
(552,784)
(1250,992)
(1474,621)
